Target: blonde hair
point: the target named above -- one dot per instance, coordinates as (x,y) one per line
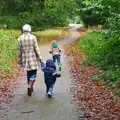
(54,41)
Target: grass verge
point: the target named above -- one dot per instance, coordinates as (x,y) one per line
(42,36)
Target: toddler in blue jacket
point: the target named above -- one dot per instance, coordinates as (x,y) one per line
(50,76)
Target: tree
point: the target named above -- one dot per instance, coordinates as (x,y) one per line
(38,13)
(94,12)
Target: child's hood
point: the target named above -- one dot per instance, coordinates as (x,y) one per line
(49,66)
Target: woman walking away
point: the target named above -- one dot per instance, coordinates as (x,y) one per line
(29,56)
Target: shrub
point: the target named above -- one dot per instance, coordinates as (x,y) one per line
(103,50)
(8,50)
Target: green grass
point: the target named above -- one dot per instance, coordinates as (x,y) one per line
(49,33)
(8,50)
(75,25)
(91,45)
(12,32)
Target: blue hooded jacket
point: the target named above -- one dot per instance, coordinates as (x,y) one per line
(49,70)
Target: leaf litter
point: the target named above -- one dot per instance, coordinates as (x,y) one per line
(95,100)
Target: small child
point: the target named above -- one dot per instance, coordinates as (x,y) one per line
(55,51)
(50,76)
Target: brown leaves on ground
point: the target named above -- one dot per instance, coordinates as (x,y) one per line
(8,80)
(97,102)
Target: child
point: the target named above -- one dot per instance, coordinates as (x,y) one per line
(55,53)
(50,76)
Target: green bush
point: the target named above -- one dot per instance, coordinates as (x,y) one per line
(103,50)
(102,47)
(94,12)
(40,14)
(8,50)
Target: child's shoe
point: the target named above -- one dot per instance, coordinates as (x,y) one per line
(49,94)
(60,68)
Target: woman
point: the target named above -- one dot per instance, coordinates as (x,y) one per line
(29,56)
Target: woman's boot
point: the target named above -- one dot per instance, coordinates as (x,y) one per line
(29,88)
(32,85)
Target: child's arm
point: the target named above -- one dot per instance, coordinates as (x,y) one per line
(56,75)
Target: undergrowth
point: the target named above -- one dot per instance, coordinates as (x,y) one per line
(8,50)
(103,51)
